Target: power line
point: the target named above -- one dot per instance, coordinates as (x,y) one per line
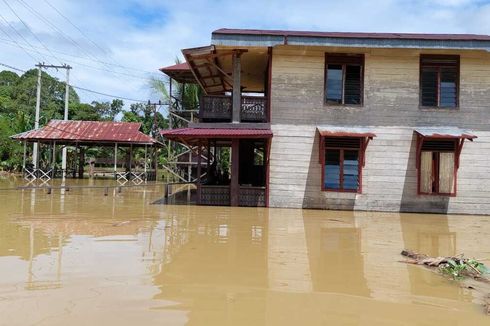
(18,33)
(75,26)
(29,29)
(83,88)
(88,66)
(70,39)
(84,58)
(10,67)
(108,95)
(20,46)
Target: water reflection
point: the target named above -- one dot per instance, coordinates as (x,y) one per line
(62,254)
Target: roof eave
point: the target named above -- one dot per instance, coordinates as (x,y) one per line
(245,40)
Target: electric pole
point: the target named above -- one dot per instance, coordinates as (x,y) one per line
(65,117)
(36,119)
(35,154)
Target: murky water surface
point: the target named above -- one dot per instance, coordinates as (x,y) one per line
(82,258)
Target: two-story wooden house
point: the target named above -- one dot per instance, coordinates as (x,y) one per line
(362,121)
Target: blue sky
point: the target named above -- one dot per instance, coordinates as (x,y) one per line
(143,35)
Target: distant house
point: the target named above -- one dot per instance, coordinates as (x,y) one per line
(355,121)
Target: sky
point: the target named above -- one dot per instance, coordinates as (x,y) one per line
(115,46)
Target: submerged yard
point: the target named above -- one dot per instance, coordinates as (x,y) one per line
(81,258)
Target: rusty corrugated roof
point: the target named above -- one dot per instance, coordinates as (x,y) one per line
(345,131)
(88,132)
(356,35)
(444,132)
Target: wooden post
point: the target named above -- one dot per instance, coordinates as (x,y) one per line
(237,100)
(130,160)
(81,162)
(199,153)
(235,168)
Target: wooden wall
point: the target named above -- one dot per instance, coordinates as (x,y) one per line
(391,109)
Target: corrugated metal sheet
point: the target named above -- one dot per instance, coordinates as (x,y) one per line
(181,72)
(239,37)
(398,36)
(216,133)
(89,132)
(444,132)
(345,131)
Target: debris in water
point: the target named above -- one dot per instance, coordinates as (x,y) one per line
(471,272)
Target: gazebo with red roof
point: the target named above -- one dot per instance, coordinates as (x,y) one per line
(84,134)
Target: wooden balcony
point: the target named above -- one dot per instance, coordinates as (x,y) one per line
(220,195)
(218,108)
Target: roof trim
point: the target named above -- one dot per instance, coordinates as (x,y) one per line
(444,133)
(254,37)
(215,133)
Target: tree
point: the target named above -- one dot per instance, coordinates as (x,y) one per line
(108,110)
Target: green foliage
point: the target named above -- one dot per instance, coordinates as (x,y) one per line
(457,269)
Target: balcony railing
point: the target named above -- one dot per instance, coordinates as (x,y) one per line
(220,195)
(218,108)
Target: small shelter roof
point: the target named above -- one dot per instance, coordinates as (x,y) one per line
(444,132)
(180,72)
(88,132)
(345,131)
(192,134)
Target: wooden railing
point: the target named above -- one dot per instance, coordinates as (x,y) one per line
(215,195)
(220,196)
(253,109)
(218,108)
(252,196)
(215,108)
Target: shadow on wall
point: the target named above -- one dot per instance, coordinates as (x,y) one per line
(411,201)
(313,196)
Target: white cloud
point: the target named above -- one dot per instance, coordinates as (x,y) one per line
(147,35)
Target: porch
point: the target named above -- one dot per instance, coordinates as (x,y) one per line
(236,169)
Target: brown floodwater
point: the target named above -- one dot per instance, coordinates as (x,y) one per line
(82,258)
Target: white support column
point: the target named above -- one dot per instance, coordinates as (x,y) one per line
(24,157)
(115,159)
(145,159)
(65,117)
(35,148)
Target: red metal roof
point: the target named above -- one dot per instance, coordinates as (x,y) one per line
(180,72)
(88,132)
(178,67)
(200,133)
(406,36)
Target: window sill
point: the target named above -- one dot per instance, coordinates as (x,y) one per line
(346,106)
(439,109)
(437,195)
(342,191)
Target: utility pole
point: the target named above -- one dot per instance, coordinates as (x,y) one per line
(36,119)
(65,117)
(35,153)
(154,127)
